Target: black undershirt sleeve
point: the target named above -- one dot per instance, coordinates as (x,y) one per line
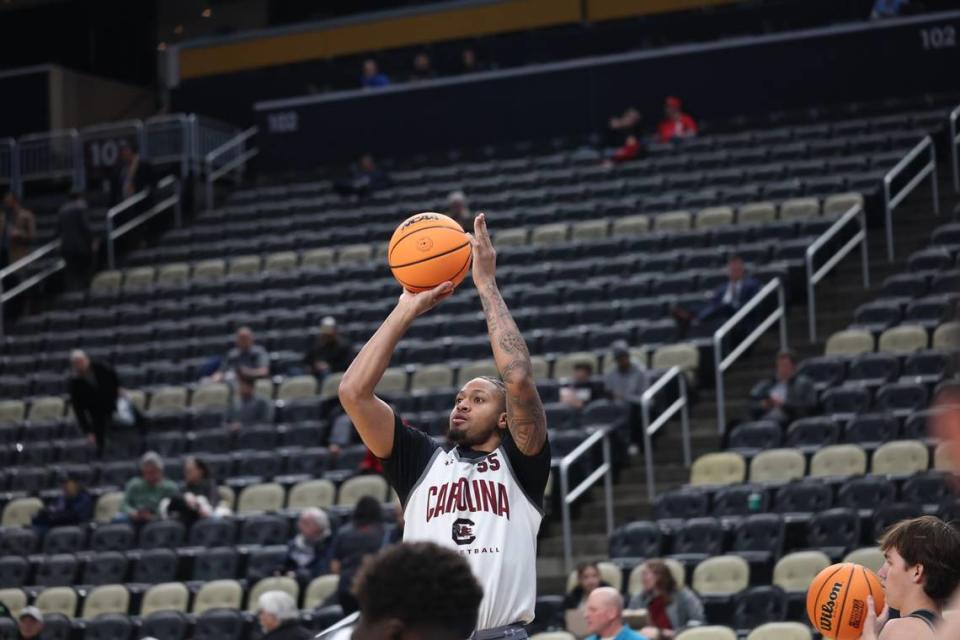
(531,472)
(412,451)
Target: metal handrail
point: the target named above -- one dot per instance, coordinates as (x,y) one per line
(75,171)
(172,201)
(236,142)
(327,634)
(891,201)
(186,147)
(954,143)
(681,404)
(568,496)
(722,364)
(857,213)
(22,263)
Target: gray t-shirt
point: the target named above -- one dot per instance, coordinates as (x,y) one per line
(256,357)
(626,385)
(250,412)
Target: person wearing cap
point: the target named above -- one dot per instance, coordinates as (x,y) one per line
(329,352)
(30,623)
(626,380)
(279,618)
(676,123)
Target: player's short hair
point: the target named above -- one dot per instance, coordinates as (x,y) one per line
(421,584)
(498,383)
(931,542)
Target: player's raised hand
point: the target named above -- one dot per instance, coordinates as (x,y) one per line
(420,303)
(874,623)
(484,255)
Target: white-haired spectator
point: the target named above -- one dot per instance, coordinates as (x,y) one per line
(278,617)
(458,208)
(142,496)
(308,554)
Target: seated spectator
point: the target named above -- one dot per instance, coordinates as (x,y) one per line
(74,506)
(676,123)
(21,227)
(727,298)
(627,123)
(142,496)
(94,392)
(627,380)
(279,617)
(372,76)
(329,352)
(246,408)
(785,397)
(247,359)
(364,536)
(365,177)
(582,389)
(588,579)
(200,495)
(459,209)
(308,554)
(628,151)
(30,623)
(604,615)
(422,69)
(669,609)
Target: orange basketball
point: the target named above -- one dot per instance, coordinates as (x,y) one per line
(837,600)
(428,249)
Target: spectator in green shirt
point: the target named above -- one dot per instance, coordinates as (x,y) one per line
(142,496)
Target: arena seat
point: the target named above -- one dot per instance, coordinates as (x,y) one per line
(777,466)
(781,631)
(261,498)
(838,460)
(217,594)
(287,585)
(709,632)
(113,598)
(218,624)
(900,458)
(359,486)
(165,625)
(609,573)
(320,590)
(718,469)
(108,567)
(168,596)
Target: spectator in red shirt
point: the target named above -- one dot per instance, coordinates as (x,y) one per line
(676,123)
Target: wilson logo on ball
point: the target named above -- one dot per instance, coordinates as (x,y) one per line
(827,609)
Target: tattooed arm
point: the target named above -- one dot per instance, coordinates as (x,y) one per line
(525,416)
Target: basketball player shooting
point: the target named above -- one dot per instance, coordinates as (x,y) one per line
(483,497)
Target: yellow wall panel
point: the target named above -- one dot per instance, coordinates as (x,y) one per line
(513,15)
(599,10)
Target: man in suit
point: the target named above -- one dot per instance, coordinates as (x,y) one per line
(93,394)
(78,245)
(727,298)
(785,397)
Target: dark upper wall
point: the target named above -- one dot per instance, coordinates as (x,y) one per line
(722,80)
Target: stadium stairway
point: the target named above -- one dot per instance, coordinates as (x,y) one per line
(837,298)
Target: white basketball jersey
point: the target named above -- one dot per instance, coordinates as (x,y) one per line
(478,508)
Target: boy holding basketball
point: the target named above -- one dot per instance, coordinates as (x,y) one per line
(483,497)
(921,570)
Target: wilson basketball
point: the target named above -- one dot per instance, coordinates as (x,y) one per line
(428,249)
(837,600)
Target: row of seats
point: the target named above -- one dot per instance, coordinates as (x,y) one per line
(542,235)
(896,458)
(901,339)
(765,631)
(196,598)
(254,498)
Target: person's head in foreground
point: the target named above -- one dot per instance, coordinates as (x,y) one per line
(30,622)
(417,591)
(921,567)
(479,412)
(604,612)
(275,608)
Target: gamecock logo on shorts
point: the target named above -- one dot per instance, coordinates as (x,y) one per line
(463,531)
